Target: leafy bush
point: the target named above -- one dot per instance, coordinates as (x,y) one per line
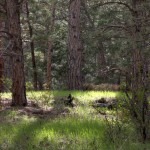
(115,128)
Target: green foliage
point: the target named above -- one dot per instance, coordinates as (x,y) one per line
(92,34)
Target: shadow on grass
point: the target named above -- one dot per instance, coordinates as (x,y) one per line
(60,133)
(57,133)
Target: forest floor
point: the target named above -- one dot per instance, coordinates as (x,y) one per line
(48,124)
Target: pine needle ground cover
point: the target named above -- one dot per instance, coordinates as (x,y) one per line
(79,128)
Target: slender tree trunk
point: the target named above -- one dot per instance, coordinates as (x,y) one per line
(1,71)
(75,48)
(49,64)
(50,45)
(7,58)
(1,68)
(101,63)
(32,48)
(18,77)
(1,58)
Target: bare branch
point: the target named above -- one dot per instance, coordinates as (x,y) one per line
(115,26)
(5,32)
(119,3)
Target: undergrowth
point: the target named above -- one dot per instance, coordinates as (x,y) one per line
(83,128)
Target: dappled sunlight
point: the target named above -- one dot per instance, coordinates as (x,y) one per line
(85,95)
(82,95)
(5,95)
(62,127)
(34,132)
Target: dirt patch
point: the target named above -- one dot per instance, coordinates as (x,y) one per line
(33,109)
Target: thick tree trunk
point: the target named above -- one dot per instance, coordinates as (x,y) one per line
(139,81)
(75,48)
(18,78)
(32,48)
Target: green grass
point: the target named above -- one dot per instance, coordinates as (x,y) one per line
(82,129)
(60,133)
(77,94)
(5,95)
(72,133)
(82,95)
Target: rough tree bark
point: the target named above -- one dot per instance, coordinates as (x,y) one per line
(18,78)
(32,47)
(75,48)
(140,77)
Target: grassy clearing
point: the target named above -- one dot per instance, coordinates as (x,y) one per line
(83,96)
(78,94)
(82,129)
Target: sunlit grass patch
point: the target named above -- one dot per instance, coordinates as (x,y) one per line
(5,95)
(57,133)
(81,95)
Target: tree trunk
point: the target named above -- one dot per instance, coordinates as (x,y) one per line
(139,81)
(50,45)
(49,64)
(75,48)
(18,78)
(1,72)
(32,48)
(1,58)
(101,63)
